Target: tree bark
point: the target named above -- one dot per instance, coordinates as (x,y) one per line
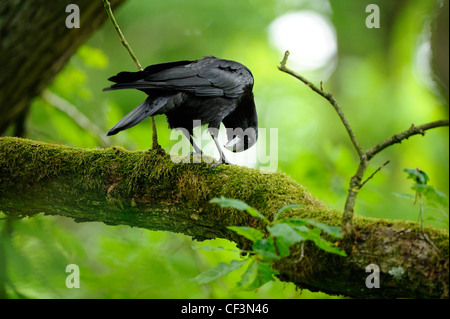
(440,50)
(35,44)
(147,189)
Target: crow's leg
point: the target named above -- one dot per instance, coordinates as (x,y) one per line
(197,149)
(215,134)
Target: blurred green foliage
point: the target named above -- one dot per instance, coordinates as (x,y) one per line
(376,81)
(266,250)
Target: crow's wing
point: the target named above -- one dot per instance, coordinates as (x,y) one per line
(209,77)
(151,106)
(129,77)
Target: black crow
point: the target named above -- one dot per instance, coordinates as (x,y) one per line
(207,91)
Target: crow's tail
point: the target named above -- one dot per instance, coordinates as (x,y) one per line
(140,113)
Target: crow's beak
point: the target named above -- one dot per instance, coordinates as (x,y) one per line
(235,145)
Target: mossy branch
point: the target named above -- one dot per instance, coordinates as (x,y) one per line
(147,189)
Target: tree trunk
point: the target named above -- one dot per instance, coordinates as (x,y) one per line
(35,44)
(147,189)
(440,50)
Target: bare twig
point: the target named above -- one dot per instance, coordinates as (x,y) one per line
(124,41)
(80,119)
(364,156)
(422,231)
(398,138)
(429,241)
(373,174)
(119,32)
(325,95)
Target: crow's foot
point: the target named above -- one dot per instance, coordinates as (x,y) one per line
(218,163)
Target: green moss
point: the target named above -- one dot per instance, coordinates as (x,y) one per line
(129,179)
(148,190)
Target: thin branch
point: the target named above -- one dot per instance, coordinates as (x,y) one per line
(119,32)
(398,138)
(124,41)
(78,117)
(356,182)
(432,244)
(373,174)
(329,97)
(153,192)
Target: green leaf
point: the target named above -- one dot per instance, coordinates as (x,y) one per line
(214,248)
(257,275)
(286,232)
(266,273)
(294,221)
(442,212)
(436,197)
(222,269)
(334,231)
(248,232)
(265,249)
(417,175)
(239,205)
(325,245)
(283,247)
(403,195)
(329,247)
(228,202)
(420,188)
(249,276)
(284,208)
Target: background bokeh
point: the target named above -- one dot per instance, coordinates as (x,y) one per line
(380,77)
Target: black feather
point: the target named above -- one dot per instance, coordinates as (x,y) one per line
(209,90)
(140,113)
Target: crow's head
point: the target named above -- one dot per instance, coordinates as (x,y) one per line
(242,126)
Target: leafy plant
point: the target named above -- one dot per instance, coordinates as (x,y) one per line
(267,248)
(422,190)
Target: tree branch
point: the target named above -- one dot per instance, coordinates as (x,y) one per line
(398,138)
(76,115)
(147,189)
(364,156)
(373,174)
(326,96)
(27,72)
(124,41)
